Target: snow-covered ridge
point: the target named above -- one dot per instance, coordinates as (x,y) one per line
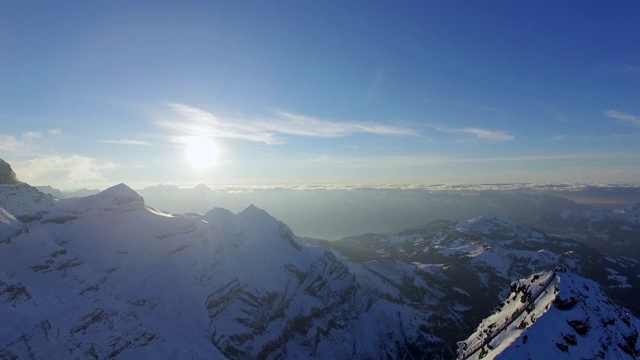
(555,315)
(116,198)
(24,202)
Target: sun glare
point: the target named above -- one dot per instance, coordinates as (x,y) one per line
(201,152)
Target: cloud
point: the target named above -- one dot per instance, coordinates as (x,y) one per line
(492,135)
(195,122)
(22,145)
(28,143)
(63,172)
(374,83)
(125,142)
(293,124)
(488,134)
(270,130)
(623,117)
(31,135)
(558,138)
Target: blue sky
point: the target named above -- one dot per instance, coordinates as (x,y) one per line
(320,92)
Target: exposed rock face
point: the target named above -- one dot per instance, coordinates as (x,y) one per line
(7,176)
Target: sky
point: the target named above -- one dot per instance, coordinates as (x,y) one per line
(95,93)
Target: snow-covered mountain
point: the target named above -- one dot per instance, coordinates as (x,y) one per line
(614,232)
(555,315)
(106,276)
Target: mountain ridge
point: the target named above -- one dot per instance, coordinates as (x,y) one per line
(555,315)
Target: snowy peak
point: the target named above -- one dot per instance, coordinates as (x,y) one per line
(253,211)
(116,197)
(260,220)
(120,191)
(555,315)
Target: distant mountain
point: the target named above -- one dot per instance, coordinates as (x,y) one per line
(199,198)
(613,232)
(555,315)
(336,213)
(59,194)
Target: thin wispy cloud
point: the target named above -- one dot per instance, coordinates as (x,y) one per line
(623,117)
(484,134)
(374,83)
(270,130)
(31,135)
(125,142)
(293,124)
(28,143)
(488,134)
(558,138)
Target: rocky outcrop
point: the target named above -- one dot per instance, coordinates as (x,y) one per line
(7,175)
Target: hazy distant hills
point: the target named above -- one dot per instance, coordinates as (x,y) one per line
(334,213)
(611,232)
(59,194)
(337,213)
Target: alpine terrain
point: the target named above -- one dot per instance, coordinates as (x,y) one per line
(106,276)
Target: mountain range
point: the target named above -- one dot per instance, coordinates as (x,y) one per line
(108,276)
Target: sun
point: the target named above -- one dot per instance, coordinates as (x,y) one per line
(201,152)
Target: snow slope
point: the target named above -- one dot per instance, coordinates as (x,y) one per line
(24,202)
